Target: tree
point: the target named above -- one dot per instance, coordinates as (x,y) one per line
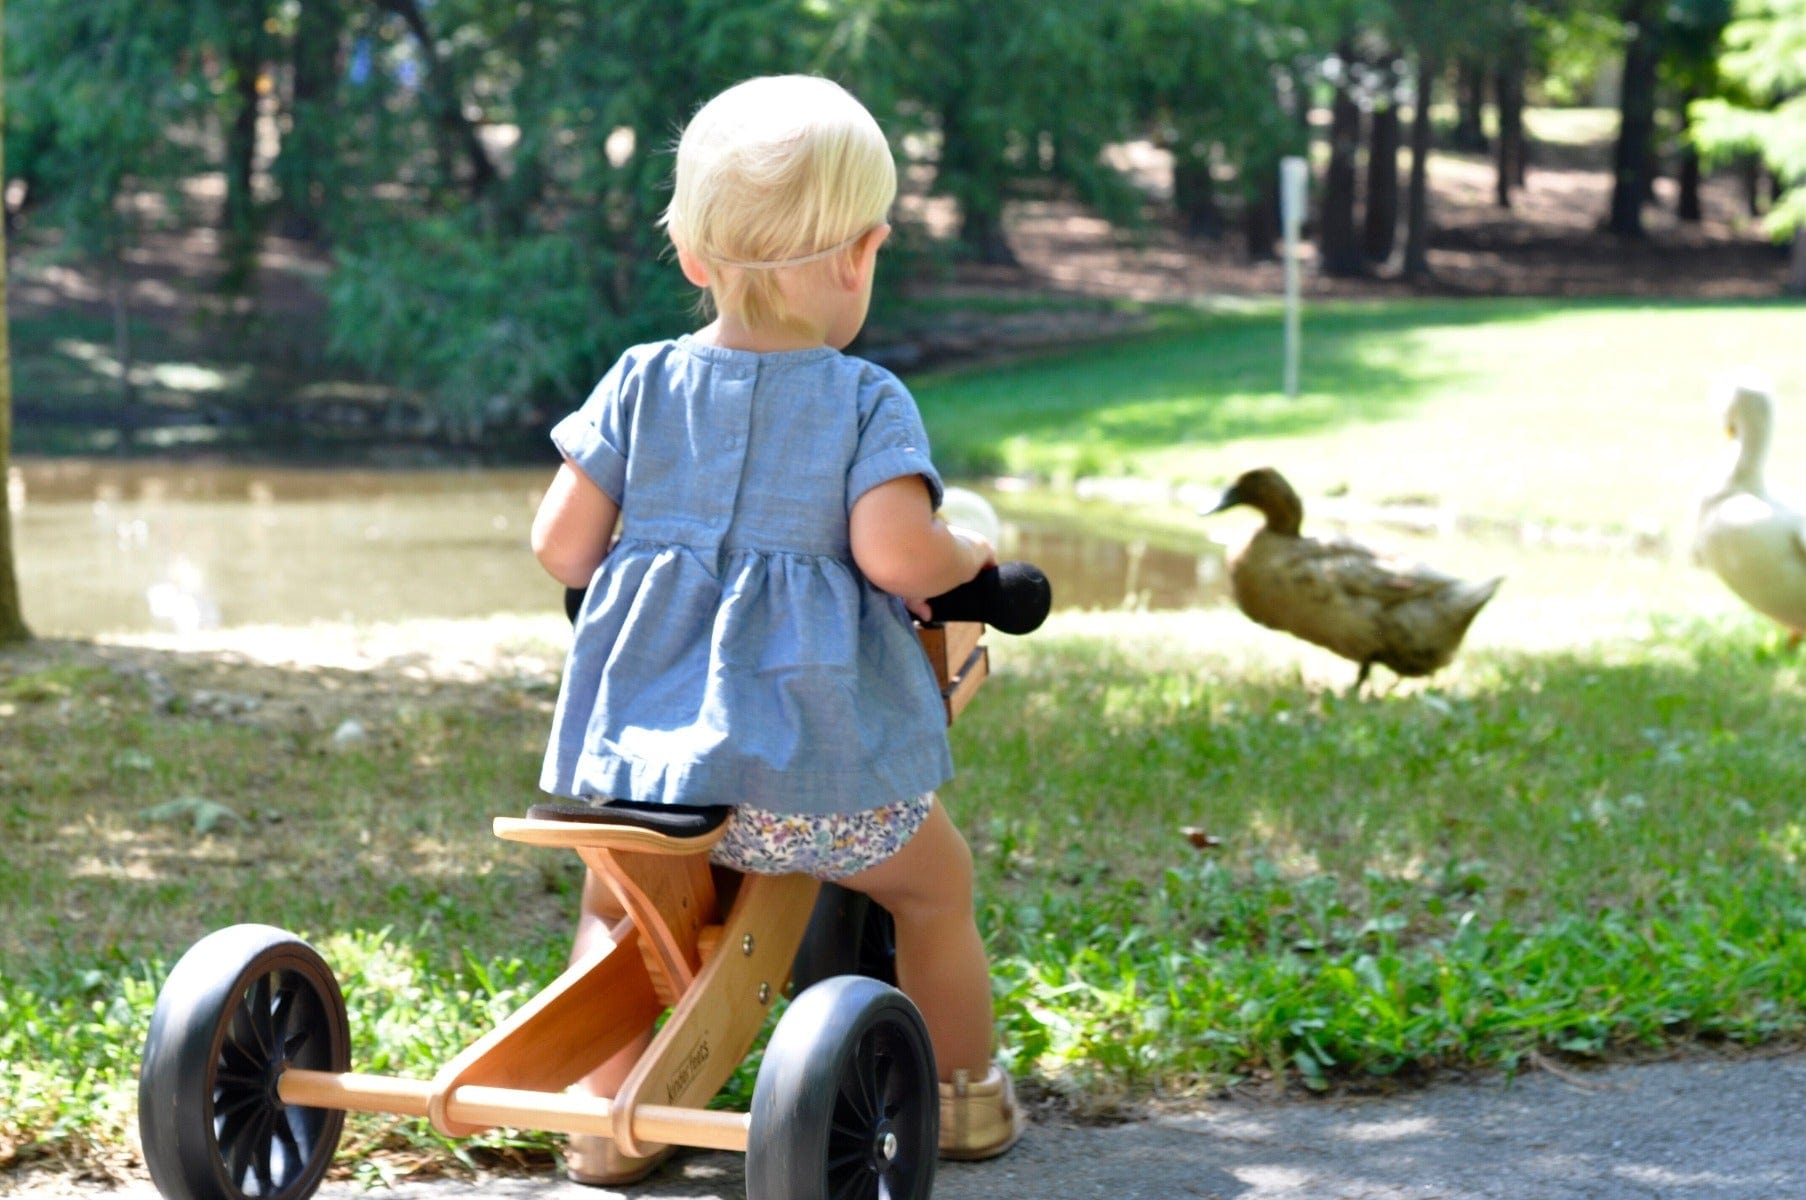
(12,619)
(1632,154)
(1201,78)
(1379,230)
(306,166)
(498,292)
(1766,57)
(1012,91)
(116,81)
(1338,240)
(1511,154)
(1691,66)
(1417,191)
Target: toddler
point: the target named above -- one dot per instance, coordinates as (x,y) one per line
(747,639)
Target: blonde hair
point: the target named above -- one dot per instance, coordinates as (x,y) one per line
(776,172)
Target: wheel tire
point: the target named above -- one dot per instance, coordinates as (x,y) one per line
(846,1105)
(849,934)
(242,1005)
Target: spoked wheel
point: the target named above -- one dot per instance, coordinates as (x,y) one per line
(845,1106)
(241,1006)
(848,934)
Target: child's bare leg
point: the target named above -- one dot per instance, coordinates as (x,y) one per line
(941,963)
(597,918)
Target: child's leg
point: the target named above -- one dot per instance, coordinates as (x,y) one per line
(597,917)
(590,1158)
(941,964)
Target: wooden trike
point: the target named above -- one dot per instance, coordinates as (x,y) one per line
(246,1075)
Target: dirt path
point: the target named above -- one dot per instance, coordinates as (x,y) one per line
(1698,1129)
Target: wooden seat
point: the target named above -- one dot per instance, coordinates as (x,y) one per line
(619,825)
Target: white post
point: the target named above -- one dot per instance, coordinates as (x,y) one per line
(1294,174)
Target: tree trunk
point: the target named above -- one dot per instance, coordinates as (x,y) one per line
(1796,273)
(239,217)
(1338,248)
(305,165)
(1260,210)
(1470,106)
(1508,83)
(120,296)
(12,617)
(1688,207)
(1417,202)
(1379,233)
(443,96)
(972,174)
(1751,174)
(1636,122)
(1195,196)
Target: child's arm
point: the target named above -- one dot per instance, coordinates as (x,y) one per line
(573,527)
(904,549)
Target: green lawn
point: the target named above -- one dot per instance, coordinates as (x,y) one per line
(1582,840)
(1591,413)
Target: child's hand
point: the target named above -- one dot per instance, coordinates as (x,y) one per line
(977,545)
(979,554)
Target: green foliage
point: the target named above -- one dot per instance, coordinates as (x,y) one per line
(106,99)
(1011,92)
(1766,55)
(486,324)
(1205,83)
(493,298)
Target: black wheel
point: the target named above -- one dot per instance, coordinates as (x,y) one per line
(845,1106)
(849,934)
(241,1006)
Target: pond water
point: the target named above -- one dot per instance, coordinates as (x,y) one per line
(108,547)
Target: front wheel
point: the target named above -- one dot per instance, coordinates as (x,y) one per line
(243,1005)
(846,1106)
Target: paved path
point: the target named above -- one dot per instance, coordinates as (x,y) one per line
(1697,1130)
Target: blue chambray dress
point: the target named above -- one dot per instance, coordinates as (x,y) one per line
(729,651)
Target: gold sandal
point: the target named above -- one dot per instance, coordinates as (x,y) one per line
(595,1161)
(979,1120)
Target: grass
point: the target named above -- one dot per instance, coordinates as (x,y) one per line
(1582,840)
(1596,412)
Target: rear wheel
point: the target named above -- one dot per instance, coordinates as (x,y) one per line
(846,1106)
(242,1006)
(849,933)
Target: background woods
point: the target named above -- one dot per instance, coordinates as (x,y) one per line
(479,179)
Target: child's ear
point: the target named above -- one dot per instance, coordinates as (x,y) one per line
(865,254)
(694,269)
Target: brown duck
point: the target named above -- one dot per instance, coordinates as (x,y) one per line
(1341,595)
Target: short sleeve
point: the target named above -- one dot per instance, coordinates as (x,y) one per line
(594,438)
(892,443)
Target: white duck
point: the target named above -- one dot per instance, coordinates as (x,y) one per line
(1753,542)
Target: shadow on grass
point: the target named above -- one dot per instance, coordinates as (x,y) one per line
(158,795)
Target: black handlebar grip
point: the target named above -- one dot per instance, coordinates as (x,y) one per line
(1013,597)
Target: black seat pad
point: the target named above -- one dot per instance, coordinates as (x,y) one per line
(672,820)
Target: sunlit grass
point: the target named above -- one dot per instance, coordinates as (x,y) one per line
(1593,413)
(1581,838)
